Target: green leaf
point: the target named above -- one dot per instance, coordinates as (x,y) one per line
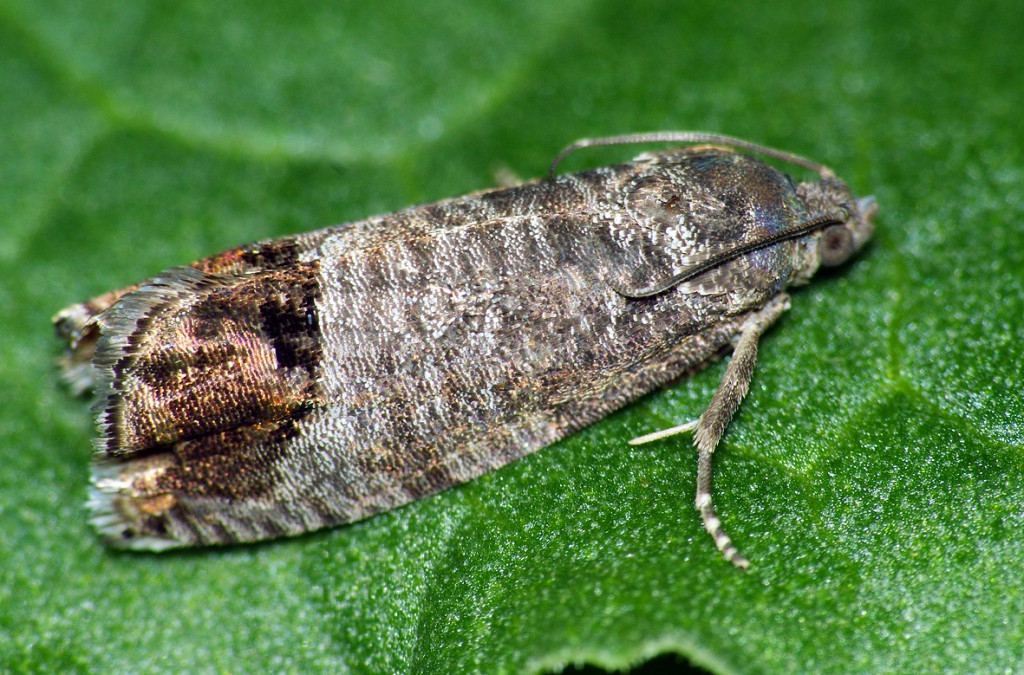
(873,475)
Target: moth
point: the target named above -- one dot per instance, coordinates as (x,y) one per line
(310,380)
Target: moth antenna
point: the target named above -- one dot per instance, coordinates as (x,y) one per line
(690,137)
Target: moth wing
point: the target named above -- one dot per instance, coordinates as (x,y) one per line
(670,217)
(679,221)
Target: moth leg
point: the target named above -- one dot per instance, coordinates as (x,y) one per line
(76,325)
(506,177)
(724,402)
(664,433)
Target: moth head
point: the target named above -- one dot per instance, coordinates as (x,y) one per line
(840,237)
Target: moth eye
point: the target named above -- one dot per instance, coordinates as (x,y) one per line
(835,245)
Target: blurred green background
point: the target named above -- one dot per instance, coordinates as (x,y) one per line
(873,476)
